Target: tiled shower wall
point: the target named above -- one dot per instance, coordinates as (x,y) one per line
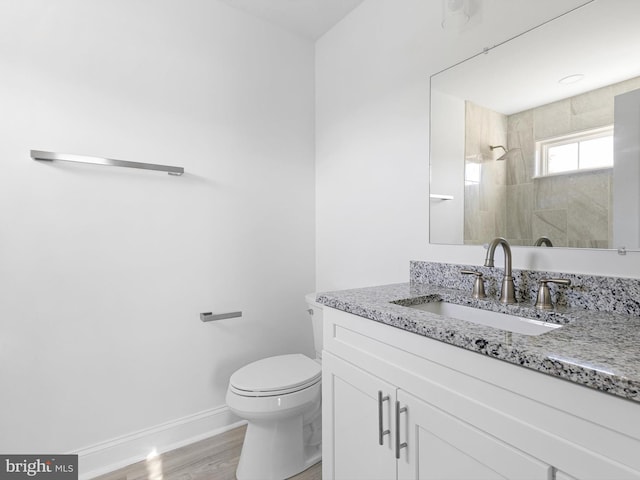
(484,201)
(572,210)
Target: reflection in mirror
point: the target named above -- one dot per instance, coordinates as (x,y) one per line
(538,139)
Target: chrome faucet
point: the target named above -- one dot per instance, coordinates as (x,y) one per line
(478,284)
(543,300)
(543,241)
(507,295)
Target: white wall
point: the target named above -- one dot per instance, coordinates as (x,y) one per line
(103,271)
(626,169)
(447,169)
(372,127)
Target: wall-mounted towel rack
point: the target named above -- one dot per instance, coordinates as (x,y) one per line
(69,157)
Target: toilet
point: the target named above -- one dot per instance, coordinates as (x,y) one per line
(280,399)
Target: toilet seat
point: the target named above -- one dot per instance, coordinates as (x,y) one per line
(273,376)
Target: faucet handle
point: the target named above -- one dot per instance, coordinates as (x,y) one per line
(478,284)
(543,300)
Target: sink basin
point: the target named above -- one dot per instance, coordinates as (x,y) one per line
(503,321)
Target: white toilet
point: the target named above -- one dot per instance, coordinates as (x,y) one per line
(280,398)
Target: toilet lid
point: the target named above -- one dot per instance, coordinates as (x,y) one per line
(277,375)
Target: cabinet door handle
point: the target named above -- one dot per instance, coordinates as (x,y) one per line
(399,446)
(381,431)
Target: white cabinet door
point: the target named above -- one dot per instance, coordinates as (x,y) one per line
(350,423)
(563,476)
(442,447)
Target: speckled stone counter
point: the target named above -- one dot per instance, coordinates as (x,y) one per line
(597,346)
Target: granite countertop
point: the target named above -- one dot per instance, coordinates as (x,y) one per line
(598,349)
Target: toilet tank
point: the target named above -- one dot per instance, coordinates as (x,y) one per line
(315,311)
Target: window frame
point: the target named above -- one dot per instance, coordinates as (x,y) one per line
(543,146)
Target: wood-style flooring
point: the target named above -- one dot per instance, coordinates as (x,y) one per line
(214,458)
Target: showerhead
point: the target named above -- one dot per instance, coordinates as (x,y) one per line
(507,153)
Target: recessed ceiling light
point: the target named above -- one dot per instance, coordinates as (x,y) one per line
(571,79)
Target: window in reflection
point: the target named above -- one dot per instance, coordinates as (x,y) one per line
(472,173)
(587,150)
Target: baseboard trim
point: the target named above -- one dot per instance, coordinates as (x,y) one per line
(115,453)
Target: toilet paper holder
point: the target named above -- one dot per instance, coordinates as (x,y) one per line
(210,316)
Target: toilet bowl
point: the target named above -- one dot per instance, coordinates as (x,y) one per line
(280,399)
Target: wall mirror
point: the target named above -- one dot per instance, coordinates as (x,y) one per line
(537,139)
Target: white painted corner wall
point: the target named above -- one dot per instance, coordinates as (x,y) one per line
(104,270)
(626,170)
(372,149)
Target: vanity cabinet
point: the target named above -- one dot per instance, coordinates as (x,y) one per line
(399,405)
(366,413)
(563,476)
(355,422)
(443,447)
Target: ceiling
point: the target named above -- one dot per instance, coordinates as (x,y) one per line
(308,18)
(600,40)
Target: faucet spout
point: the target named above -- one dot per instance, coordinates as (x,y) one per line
(543,241)
(507,295)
